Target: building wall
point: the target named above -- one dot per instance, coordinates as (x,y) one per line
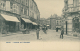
(58,22)
(70,14)
(33,10)
(19,8)
(53,23)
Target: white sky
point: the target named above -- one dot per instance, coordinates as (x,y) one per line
(48,7)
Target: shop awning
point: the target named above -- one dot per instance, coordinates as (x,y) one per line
(27,20)
(34,23)
(10,18)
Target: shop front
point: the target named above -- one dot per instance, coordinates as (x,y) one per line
(34,25)
(26,23)
(76,23)
(8,23)
(72,24)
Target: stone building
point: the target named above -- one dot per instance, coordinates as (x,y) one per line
(53,22)
(71,14)
(58,22)
(42,21)
(17,14)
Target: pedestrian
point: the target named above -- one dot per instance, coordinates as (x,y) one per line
(45,30)
(62,32)
(37,33)
(7,28)
(57,29)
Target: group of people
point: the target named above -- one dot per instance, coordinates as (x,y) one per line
(44,29)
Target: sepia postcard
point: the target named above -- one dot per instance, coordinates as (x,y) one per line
(39,25)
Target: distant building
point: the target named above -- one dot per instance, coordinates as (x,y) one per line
(53,22)
(42,21)
(58,22)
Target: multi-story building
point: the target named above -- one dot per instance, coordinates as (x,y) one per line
(53,22)
(33,10)
(71,13)
(58,22)
(42,21)
(16,14)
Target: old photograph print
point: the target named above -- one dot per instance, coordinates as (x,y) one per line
(39,20)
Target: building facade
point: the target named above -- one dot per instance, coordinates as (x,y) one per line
(53,22)
(33,11)
(23,10)
(71,14)
(58,22)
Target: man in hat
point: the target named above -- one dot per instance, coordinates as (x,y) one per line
(37,33)
(62,32)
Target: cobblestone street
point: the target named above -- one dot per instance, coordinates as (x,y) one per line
(51,35)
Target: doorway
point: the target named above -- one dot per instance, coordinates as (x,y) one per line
(66,27)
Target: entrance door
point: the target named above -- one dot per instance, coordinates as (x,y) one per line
(12,26)
(66,27)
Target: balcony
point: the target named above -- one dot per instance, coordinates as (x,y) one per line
(72,10)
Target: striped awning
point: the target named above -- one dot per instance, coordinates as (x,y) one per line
(10,18)
(27,20)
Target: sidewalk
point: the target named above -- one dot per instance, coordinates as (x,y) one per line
(19,32)
(69,36)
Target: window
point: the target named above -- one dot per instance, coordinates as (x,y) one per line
(27,12)
(23,10)
(30,13)
(14,8)
(57,22)
(2,4)
(60,22)
(76,3)
(20,1)
(79,1)
(17,9)
(26,2)
(70,1)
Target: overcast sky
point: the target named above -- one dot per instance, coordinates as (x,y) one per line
(48,7)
